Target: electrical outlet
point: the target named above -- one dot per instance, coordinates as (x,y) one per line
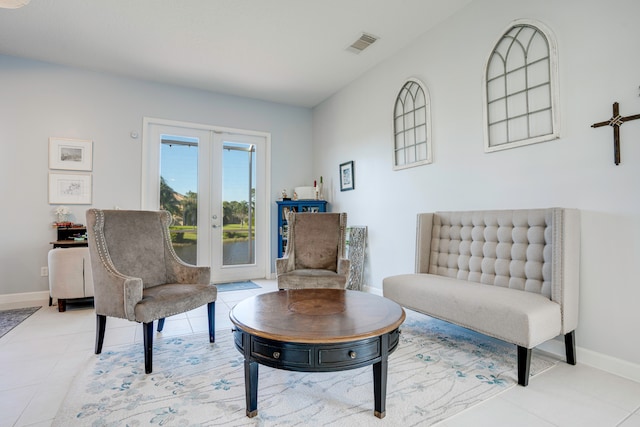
(44,271)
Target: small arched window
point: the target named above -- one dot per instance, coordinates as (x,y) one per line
(520,88)
(411,126)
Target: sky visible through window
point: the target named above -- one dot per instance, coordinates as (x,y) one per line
(179,168)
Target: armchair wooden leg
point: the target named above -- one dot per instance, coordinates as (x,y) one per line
(160,324)
(570,347)
(101,323)
(148,346)
(211,313)
(524,362)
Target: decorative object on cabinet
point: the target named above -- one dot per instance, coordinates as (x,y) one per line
(70,154)
(305,193)
(61,213)
(356,249)
(71,189)
(320,190)
(347,176)
(286,206)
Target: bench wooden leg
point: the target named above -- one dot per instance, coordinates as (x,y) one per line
(570,347)
(524,363)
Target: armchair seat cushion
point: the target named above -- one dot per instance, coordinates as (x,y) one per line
(311,278)
(169,299)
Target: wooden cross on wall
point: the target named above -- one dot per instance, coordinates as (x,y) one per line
(616,121)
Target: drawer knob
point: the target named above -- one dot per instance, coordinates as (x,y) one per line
(276,355)
(352,354)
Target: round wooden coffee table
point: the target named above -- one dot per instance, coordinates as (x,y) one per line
(316,330)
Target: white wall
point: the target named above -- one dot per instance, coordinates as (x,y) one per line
(598,63)
(40,100)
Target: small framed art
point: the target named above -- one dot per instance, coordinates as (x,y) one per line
(69,189)
(347,176)
(70,154)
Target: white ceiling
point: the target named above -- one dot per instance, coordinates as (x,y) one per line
(287,51)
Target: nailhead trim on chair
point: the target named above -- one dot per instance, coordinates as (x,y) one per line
(101,244)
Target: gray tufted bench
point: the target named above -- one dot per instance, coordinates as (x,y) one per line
(510,274)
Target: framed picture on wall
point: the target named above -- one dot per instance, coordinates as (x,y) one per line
(70,154)
(69,189)
(347,176)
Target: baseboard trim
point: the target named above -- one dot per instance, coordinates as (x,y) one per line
(372,290)
(24,297)
(607,363)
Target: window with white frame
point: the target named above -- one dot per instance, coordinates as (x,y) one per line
(411,126)
(520,88)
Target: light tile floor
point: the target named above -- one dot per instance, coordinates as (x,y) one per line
(39,358)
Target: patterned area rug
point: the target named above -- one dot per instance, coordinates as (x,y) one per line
(236,286)
(437,370)
(9,319)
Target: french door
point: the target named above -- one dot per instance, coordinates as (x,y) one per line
(215,183)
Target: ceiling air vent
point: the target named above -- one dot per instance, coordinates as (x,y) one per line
(362,43)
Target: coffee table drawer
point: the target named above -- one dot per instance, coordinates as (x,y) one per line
(281,353)
(349,354)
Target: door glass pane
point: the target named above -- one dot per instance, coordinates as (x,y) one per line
(179,192)
(238,203)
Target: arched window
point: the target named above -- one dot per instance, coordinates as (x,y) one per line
(520,88)
(411,126)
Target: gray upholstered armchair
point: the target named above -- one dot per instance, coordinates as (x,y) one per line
(138,276)
(314,257)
